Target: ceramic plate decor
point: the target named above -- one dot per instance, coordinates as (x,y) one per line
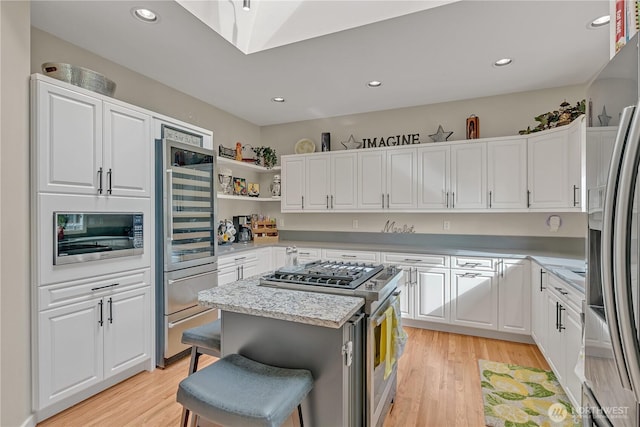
(305,146)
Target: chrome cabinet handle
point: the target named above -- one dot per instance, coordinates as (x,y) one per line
(100,322)
(382,200)
(105,287)
(542,288)
(109,173)
(110,319)
(575,202)
(490,199)
(471,264)
(470,274)
(332,201)
(387,200)
(528,198)
(412,259)
(557,316)
(302,202)
(239,258)
(100,180)
(327,201)
(347,256)
(453,199)
(446,199)
(562,291)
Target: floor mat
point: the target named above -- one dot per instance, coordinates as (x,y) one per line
(519,396)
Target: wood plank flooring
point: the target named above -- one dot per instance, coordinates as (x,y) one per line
(438,386)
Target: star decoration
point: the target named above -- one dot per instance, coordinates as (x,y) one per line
(604,119)
(351,143)
(440,135)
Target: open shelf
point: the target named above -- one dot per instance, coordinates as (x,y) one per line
(246,166)
(247,198)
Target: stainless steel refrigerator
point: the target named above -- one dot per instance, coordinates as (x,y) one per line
(611,393)
(186,243)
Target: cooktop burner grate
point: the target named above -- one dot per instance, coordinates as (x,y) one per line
(336,274)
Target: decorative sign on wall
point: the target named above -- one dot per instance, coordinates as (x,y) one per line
(391,227)
(473,127)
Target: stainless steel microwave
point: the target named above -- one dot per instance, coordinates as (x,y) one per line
(91,236)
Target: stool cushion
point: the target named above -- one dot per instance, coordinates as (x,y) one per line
(236,391)
(207,335)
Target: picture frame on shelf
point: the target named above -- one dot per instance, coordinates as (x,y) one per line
(253,189)
(473,127)
(239,186)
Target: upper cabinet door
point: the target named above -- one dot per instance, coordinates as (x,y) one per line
(433,177)
(469,176)
(548,171)
(344,180)
(401,179)
(127,152)
(372,186)
(68,137)
(293,178)
(507,174)
(317,182)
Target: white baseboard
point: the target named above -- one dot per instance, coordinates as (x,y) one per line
(477,332)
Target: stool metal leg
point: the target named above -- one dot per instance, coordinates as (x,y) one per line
(300,415)
(185,417)
(195,355)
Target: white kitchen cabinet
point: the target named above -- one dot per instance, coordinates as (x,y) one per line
(237,266)
(514,305)
(387,179)
(474,298)
(350,256)
(319,182)
(425,285)
(293,182)
(507,174)
(308,254)
(554,168)
(433,173)
(432,294)
(278,257)
(344,181)
(564,335)
(265,260)
(80,344)
(89,146)
(539,317)
(469,176)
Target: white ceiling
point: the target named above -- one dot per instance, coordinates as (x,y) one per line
(441,54)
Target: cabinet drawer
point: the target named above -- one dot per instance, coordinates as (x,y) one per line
(309,253)
(485,264)
(82,290)
(565,292)
(237,258)
(416,259)
(364,256)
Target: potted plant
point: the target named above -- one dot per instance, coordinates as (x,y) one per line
(266,155)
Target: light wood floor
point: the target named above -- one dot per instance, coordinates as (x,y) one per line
(438,386)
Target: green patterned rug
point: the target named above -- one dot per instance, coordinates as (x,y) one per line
(518,396)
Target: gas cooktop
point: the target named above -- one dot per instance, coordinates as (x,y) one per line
(333,274)
(369,281)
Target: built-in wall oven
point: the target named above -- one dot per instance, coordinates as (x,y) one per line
(186,241)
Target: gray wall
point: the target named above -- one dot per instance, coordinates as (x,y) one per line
(15,356)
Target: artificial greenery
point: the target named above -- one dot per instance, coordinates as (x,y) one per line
(563,116)
(267,154)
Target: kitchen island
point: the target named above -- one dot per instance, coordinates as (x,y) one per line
(298,329)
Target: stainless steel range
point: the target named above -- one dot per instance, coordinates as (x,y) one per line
(378,285)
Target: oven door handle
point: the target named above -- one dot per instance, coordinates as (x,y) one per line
(378,320)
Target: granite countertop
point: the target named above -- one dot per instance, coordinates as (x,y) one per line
(312,308)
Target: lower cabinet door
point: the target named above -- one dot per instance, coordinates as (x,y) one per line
(554,344)
(433,294)
(405,285)
(127,330)
(70,350)
(572,345)
(249,269)
(474,300)
(514,308)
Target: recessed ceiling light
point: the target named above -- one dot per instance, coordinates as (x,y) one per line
(599,22)
(278,99)
(502,62)
(374,83)
(145,15)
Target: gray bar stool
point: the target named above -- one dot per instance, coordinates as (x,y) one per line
(236,391)
(203,339)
